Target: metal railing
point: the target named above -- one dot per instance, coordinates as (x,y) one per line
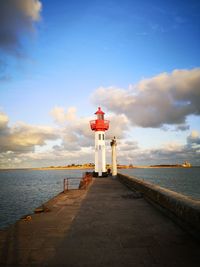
(74,183)
(71,183)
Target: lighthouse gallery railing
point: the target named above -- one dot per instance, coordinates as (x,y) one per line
(99,124)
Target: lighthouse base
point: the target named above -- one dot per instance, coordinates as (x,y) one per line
(96,174)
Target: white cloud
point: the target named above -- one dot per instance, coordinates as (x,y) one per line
(119,125)
(61,116)
(172,146)
(23,137)
(163,99)
(127,145)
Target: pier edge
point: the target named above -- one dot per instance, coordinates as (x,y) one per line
(181,209)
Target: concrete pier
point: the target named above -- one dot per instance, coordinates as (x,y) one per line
(105,225)
(182,209)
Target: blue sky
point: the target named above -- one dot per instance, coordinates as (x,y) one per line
(60,60)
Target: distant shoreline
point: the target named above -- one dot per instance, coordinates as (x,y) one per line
(48,168)
(62,168)
(91,168)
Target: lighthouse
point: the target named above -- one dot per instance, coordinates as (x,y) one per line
(99,126)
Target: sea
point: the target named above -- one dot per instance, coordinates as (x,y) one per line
(21,191)
(185,181)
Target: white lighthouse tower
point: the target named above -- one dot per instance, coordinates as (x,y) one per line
(100,126)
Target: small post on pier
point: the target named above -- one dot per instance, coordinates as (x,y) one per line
(65,182)
(113,144)
(64,185)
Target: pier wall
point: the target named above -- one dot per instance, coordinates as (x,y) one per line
(182,209)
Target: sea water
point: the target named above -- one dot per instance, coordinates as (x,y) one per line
(182,180)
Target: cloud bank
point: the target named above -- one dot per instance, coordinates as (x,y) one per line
(72,141)
(23,137)
(163,99)
(16,18)
(76,132)
(170,153)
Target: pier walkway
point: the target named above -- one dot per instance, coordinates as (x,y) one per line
(105,225)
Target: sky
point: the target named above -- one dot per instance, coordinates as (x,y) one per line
(60,60)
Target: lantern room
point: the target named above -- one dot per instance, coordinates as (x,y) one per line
(99,124)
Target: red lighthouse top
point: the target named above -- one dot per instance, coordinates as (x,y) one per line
(99,124)
(99,111)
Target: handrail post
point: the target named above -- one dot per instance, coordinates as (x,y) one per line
(64,185)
